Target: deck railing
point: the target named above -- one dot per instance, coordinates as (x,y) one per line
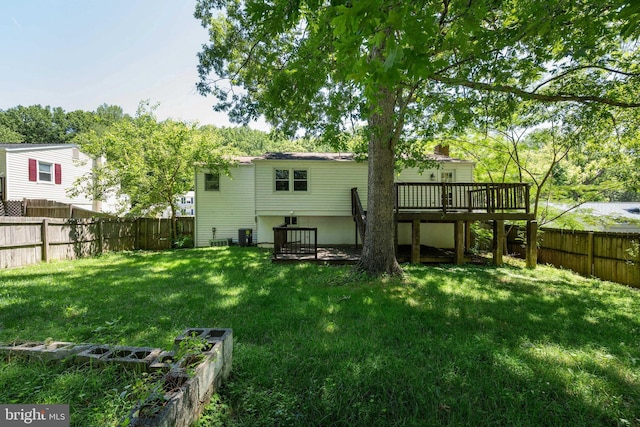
(359,214)
(471,197)
(295,241)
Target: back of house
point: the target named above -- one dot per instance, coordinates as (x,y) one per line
(303,190)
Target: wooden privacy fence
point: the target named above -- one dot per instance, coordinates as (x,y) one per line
(608,256)
(25,241)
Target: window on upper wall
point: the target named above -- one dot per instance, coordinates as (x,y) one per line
(447,176)
(45,172)
(211,182)
(282,179)
(291,179)
(299,180)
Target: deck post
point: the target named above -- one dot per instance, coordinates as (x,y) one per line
(415,241)
(459,242)
(532,244)
(467,235)
(498,241)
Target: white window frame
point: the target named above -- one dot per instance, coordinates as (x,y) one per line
(50,173)
(291,181)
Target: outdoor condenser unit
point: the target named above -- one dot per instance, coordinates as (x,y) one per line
(245,237)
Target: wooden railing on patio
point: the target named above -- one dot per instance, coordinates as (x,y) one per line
(359,214)
(295,241)
(469,197)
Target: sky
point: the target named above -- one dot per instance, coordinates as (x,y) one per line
(80,54)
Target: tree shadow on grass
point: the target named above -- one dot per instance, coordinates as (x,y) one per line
(317,345)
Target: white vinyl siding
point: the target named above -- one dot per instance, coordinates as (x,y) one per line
(261,194)
(229,209)
(328,191)
(17,175)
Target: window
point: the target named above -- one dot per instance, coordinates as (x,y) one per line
(282,179)
(211,182)
(291,220)
(45,172)
(447,176)
(299,180)
(286,179)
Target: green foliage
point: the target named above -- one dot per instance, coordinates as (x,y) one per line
(149,162)
(36,124)
(315,345)
(251,142)
(412,71)
(10,136)
(44,125)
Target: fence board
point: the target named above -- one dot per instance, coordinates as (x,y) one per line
(21,239)
(610,256)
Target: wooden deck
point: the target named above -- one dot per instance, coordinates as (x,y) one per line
(336,255)
(459,204)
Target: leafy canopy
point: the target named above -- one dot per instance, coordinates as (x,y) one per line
(410,70)
(149,163)
(320,65)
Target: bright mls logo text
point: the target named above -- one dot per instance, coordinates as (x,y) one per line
(49,415)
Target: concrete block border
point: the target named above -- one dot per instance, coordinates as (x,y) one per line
(185,388)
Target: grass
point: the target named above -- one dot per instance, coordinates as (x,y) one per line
(317,345)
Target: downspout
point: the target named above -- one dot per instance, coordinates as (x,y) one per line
(195,209)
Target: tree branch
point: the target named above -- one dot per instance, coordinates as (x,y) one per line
(558,97)
(584,67)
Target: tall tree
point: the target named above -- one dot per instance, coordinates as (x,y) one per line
(149,163)
(10,136)
(409,69)
(37,124)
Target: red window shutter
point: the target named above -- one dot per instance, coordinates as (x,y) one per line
(33,170)
(58,171)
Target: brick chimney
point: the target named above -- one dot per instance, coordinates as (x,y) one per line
(442,150)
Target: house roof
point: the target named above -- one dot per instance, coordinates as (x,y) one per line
(342,157)
(34,147)
(307,156)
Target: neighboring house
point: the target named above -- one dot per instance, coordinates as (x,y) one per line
(185,206)
(44,171)
(620,217)
(305,190)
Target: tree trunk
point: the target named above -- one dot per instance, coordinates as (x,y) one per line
(174,225)
(378,249)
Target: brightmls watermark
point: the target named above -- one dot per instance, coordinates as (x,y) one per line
(34,415)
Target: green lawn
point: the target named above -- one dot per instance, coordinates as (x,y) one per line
(316,345)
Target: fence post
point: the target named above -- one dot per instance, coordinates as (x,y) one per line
(44,232)
(590,264)
(100,236)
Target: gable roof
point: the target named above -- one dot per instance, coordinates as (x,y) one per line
(34,147)
(343,157)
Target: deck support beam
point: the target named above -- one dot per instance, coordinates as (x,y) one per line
(467,235)
(459,239)
(532,244)
(415,241)
(498,242)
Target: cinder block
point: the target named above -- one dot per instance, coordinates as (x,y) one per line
(212,335)
(137,358)
(44,351)
(164,362)
(93,355)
